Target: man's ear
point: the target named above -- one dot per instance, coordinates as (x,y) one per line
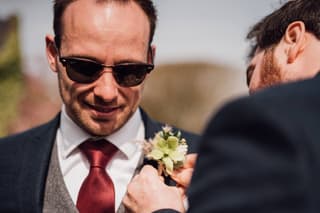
(52,53)
(151,57)
(295,38)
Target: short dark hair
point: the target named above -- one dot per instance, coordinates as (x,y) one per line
(60,6)
(269,31)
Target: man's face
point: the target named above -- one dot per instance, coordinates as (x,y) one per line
(263,70)
(109,33)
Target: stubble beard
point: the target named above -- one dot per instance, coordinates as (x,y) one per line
(271,71)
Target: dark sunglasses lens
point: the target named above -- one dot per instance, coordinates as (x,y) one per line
(129,75)
(82,71)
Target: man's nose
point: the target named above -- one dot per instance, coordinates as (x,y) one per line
(106,87)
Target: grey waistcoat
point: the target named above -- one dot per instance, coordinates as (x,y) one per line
(56,196)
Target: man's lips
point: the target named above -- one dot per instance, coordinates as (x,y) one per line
(103,110)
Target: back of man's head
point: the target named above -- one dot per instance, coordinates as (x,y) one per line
(270,29)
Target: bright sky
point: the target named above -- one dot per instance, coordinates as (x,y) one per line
(188,30)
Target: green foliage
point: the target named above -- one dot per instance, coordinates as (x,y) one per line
(10,76)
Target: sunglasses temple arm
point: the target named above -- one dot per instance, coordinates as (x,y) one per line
(150,54)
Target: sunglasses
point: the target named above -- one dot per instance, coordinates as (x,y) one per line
(83,70)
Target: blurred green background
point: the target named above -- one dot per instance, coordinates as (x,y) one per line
(24,100)
(11,82)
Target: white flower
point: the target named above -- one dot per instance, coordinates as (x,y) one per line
(168,149)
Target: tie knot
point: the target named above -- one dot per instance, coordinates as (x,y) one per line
(98,152)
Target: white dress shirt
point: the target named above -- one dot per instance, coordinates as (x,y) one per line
(75,166)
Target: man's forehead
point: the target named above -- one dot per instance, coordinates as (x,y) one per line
(89,16)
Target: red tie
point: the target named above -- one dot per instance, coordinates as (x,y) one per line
(97,191)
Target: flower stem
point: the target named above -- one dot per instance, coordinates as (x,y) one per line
(160,168)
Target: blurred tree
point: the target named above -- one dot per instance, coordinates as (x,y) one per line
(11,83)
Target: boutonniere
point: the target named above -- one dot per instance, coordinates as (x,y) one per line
(168,148)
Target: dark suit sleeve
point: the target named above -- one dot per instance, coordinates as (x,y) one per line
(247,163)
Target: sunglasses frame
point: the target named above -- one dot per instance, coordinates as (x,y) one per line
(66,61)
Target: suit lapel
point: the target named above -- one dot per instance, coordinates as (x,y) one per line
(151,128)
(36,156)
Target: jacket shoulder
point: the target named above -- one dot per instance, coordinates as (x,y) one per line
(29,134)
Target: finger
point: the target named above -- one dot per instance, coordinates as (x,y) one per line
(127,203)
(148,170)
(182,191)
(135,177)
(150,174)
(161,178)
(183,177)
(190,160)
(188,163)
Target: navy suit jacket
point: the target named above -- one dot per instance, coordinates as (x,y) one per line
(24,161)
(261,154)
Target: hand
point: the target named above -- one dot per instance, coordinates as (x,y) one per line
(183,175)
(147,193)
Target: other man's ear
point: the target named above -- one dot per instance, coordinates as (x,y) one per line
(295,38)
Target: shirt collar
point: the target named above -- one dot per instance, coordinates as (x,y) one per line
(126,139)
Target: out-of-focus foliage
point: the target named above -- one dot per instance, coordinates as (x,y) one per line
(35,106)
(187,94)
(10,72)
